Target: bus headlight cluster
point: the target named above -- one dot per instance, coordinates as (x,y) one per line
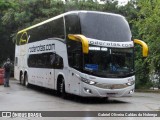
(129,83)
(90,82)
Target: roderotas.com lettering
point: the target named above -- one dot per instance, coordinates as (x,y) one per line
(40,47)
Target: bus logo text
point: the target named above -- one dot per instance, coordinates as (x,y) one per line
(40,47)
(112,44)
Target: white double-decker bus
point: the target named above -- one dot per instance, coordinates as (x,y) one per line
(85,53)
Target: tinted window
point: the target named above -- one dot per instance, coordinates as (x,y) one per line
(72,24)
(74,48)
(58,63)
(106,27)
(53,29)
(75,54)
(45,60)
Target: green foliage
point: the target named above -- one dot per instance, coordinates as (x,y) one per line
(149,23)
(146,27)
(5,6)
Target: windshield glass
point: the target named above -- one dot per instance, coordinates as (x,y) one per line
(105,27)
(109,62)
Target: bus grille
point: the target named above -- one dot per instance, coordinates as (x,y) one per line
(111,86)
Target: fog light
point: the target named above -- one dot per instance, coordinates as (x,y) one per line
(131,92)
(87,90)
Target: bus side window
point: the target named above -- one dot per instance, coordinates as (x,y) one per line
(72,24)
(53,29)
(58,63)
(52,59)
(32,60)
(75,55)
(76,60)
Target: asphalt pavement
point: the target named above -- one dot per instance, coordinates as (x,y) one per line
(19,98)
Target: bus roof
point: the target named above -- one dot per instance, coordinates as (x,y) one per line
(65,14)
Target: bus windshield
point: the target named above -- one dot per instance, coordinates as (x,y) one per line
(109,62)
(105,27)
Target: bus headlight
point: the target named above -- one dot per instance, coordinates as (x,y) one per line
(90,82)
(129,83)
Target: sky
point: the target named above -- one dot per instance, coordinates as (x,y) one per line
(120,2)
(123,2)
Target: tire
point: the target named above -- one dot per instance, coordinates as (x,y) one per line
(26,81)
(61,89)
(21,79)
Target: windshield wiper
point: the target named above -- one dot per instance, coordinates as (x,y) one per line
(89,70)
(128,74)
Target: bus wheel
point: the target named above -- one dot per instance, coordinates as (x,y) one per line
(26,80)
(61,89)
(21,78)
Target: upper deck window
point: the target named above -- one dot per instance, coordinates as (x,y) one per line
(72,24)
(52,29)
(106,27)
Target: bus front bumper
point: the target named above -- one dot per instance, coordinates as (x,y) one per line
(112,91)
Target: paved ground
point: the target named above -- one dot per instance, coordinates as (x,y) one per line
(19,98)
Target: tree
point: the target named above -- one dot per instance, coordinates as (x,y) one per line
(148,24)
(5,36)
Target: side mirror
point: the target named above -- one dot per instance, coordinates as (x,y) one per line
(144,47)
(82,39)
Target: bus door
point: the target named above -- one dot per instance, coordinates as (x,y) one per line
(58,66)
(74,72)
(75,61)
(50,78)
(74,82)
(50,74)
